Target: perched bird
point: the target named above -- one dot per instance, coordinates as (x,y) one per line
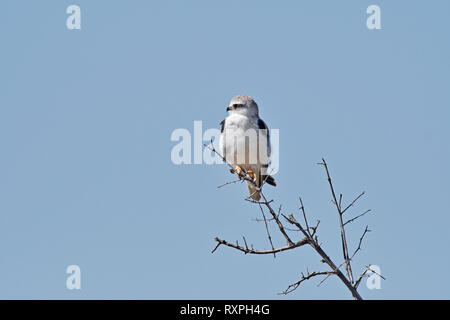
(245,143)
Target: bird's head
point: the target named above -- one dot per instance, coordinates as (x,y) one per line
(244,105)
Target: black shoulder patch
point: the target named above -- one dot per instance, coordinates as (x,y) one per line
(222,124)
(262,124)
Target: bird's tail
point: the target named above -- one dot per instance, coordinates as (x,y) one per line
(268,179)
(253,192)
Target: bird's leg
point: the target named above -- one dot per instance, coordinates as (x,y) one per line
(238,170)
(252,174)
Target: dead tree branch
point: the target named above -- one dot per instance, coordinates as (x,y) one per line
(309,234)
(348,266)
(308,276)
(247,250)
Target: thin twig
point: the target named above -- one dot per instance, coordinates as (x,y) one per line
(302,208)
(303,278)
(353,202)
(358,216)
(360,242)
(363,274)
(267,229)
(348,266)
(227,183)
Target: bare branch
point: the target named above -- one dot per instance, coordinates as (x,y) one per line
(353,202)
(267,229)
(258,202)
(309,233)
(246,250)
(360,278)
(227,183)
(277,220)
(360,242)
(364,274)
(348,266)
(302,207)
(358,216)
(308,276)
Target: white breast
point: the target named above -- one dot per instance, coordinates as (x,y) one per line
(236,145)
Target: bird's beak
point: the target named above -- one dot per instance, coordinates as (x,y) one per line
(229,108)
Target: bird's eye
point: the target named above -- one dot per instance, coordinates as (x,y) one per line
(238,106)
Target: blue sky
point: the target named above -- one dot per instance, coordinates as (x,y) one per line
(86,117)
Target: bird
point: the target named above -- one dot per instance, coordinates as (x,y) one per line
(245,143)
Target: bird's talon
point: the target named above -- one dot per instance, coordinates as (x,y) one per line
(252,174)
